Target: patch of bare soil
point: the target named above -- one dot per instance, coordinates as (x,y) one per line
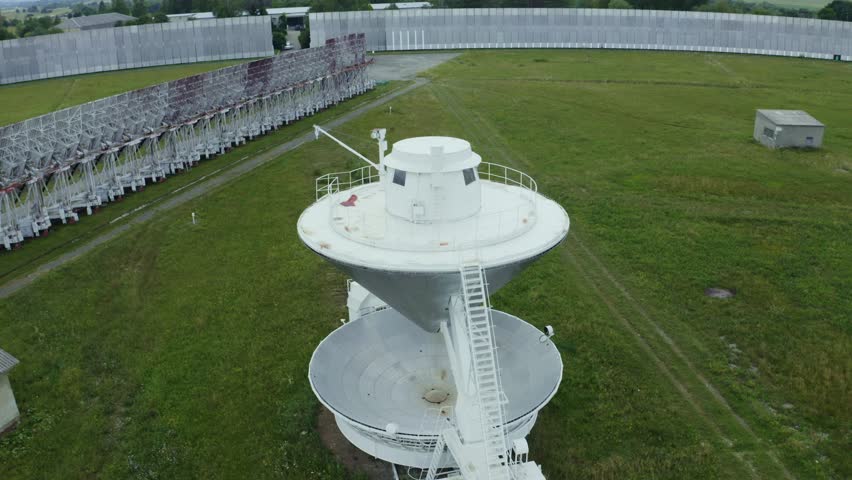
(353,459)
(9,428)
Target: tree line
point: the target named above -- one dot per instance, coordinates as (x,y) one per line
(29,27)
(837,10)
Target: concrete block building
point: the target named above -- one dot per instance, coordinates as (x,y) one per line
(8,408)
(787,128)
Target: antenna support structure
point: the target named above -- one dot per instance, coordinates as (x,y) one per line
(425,373)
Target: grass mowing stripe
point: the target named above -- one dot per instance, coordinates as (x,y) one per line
(660,365)
(493,141)
(717,396)
(485,132)
(678,368)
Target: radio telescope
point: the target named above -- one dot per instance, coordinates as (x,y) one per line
(425,373)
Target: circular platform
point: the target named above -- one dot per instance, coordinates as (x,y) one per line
(381,370)
(513,225)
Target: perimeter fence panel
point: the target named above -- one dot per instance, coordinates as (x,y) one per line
(109,49)
(92,51)
(243,39)
(59,165)
(4,63)
(174,35)
(589,28)
(129,49)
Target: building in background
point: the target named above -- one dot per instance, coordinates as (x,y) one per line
(787,128)
(401,5)
(179,17)
(8,408)
(296,16)
(92,22)
(186,17)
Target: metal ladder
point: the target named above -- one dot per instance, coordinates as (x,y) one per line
(486,370)
(437,458)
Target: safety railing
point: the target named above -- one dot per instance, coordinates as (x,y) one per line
(486,229)
(425,442)
(489,227)
(491,172)
(494,172)
(332,183)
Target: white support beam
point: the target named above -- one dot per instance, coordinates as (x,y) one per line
(319,130)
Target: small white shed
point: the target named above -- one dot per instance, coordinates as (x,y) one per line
(8,408)
(788,128)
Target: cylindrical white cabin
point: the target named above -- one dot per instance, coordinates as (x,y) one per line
(432,179)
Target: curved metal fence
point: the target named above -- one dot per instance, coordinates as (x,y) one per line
(108,49)
(433,29)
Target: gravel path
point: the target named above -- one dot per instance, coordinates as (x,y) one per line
(405,67)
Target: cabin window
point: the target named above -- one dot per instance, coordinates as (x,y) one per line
(768,132)
(469,176)
(399,177)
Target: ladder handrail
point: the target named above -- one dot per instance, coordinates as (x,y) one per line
(437,456)
(485,377)
(489,389)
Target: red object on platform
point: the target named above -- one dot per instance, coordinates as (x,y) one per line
(350,202)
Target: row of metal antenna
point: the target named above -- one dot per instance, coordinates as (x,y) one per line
(63,190)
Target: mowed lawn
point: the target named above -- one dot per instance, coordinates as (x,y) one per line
(20,101)
(181,351)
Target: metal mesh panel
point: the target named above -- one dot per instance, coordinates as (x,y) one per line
(588,28)
(72,160)
(133,47)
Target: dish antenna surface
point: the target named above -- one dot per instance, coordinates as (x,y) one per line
(425,373)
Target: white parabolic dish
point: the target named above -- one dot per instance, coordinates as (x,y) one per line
(381,368)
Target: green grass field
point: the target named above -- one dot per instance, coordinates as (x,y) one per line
(29,99)
(12,13)
(181,351)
